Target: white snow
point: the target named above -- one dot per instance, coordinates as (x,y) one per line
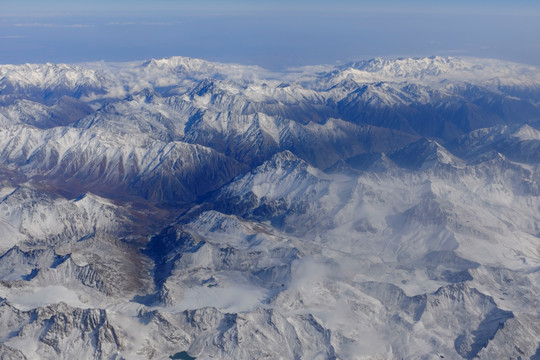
(393,263)
(43,296)
(527,133)
(237,299)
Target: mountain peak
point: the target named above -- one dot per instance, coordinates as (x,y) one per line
(440,71)
(313,213)
(424,154)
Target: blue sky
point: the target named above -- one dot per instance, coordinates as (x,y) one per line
(274,34)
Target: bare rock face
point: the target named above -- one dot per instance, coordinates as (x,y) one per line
(383,209)
(61,331)
(7,353)
(263,333)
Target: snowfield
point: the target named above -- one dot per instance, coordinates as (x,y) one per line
(383,209)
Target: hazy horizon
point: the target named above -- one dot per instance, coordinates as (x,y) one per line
(275,35)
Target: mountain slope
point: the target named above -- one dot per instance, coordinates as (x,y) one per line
(383,209)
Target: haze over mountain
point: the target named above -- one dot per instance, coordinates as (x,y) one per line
(381,209)
(276,34)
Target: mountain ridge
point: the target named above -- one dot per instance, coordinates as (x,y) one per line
(385,208)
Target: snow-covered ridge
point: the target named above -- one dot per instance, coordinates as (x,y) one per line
(119,79)
(527,133)
(441,71)
(384,209)
(49,76)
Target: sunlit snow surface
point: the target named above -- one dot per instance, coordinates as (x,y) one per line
(384,209)
(39,297)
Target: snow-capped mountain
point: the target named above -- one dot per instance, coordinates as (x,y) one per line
(179,208)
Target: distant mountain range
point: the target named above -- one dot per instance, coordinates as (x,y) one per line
(383,209)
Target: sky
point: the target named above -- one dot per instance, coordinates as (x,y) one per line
(275,34)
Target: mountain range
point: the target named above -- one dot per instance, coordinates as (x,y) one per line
(180,208)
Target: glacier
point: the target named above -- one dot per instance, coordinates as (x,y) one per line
(381,209)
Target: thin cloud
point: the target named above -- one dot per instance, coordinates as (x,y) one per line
(50,25)
(453,51)
(160,23)
(122,23)
(11,37)
(145,23)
